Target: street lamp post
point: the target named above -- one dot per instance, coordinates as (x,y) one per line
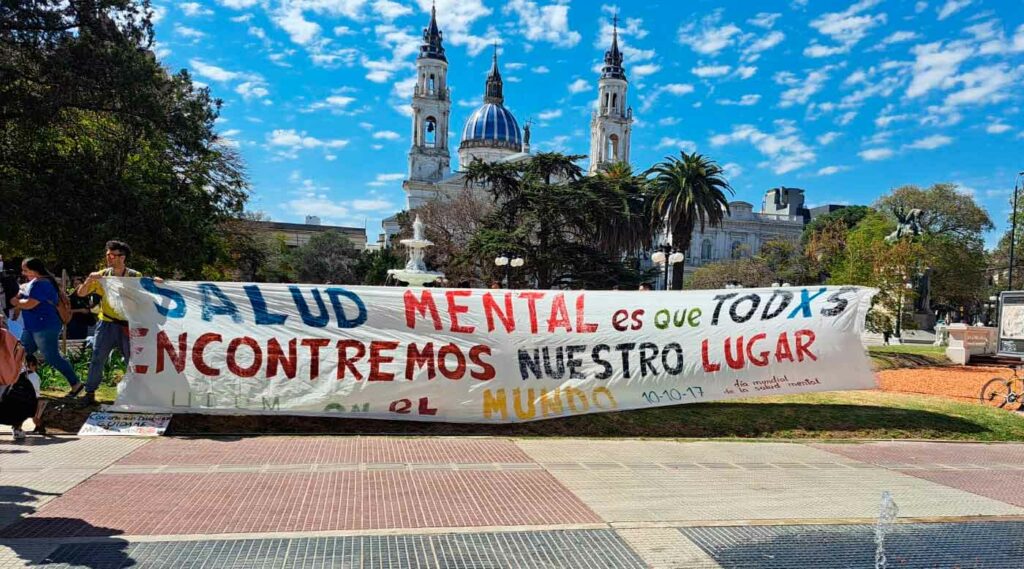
(1013,229)
(508,264)
(666,255)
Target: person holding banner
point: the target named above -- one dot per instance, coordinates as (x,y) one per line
(112,328)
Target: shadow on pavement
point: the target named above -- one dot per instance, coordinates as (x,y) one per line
(16,505)
(694,420)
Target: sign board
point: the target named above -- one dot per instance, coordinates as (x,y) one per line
(478,355)
(1011,323)
(133,424)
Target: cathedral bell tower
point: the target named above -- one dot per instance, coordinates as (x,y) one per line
(429,157)
(611,123)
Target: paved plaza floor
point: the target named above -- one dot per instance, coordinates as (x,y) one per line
(382,502)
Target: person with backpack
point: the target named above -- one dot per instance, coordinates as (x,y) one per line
(43,309)
(112,328)
(20,400)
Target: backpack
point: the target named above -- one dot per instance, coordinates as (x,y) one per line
(12,357)
(63,306)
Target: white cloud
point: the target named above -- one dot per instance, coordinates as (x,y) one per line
(334,103)
(764,20)
(389,10)
(633,29)
(829,170)
(548,115)
(711,71)
(952,7)
(158,13)
(783,149)
(194,9)
(846,118)
(745,71)
(644,70)
(343,31)
(669,121)
(935,66)
(920,6)
(299,29)
(847,28)
(985,84)
(544,23)
(251,90)
(997,127)
(874,154)
(372,205)
(800,90)
(237,4)
(541,69)
(732,170)
(289,142)
(187,32)
(387,135)
(744,101)
(897,37)
(579,86)
(671,88)
(828,137)
(456,19)
(688,146)
(768,41)
(220,74)
(708,38)
(817,50)
(385,179)
(930,142)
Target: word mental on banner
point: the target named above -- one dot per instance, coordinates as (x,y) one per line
(479,355)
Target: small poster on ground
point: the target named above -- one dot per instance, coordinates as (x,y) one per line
(132,424)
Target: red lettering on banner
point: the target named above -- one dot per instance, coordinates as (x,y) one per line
(486,371)
(531,299)
(761,360)
(414,356)
(581,326)
(442,362)
(425,408)
(377,358)
(491,308)
(177,357)
(257,357)
(421,306)
(275,357)
(735,361)
(455,309)
(708,366)
(345,362)
(804,348)
(314,345)
(197,353)
(782,351)
(559,315)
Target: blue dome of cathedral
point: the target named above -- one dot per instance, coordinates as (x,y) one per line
(493,124)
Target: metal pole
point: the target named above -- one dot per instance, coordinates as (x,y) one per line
(666,273)
(899,318)
(1013,235)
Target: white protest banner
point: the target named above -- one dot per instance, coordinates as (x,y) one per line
(132,424)
(436,354)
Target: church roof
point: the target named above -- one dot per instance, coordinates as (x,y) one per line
(612,68)
(492,125)
(432,46)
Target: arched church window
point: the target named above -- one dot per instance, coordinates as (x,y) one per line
(611,152)
(737,249)
(615,101)
(430,84)
(705,250)
(606,100)
(430,131)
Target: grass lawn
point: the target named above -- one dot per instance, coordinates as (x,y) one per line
(907,355)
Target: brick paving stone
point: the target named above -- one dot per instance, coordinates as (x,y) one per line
(637,451)
(1005,486)
(570,549)
(982,545)
(170,504)
(325,450)
(55,453)
(927,454)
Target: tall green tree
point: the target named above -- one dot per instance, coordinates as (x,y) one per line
(327,257)
(687,192)
(99,141)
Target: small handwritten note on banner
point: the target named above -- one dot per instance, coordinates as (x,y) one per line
(132,424)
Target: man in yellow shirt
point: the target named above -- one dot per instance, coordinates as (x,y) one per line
(112,328)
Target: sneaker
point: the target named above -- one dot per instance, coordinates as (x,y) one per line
(39,430)
(75,391)
(19,435)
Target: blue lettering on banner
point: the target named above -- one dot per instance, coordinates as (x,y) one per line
(210,310)
(179,301)
(336,295)
(259,308)
(805,303)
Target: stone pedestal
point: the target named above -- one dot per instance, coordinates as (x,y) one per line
(966,341)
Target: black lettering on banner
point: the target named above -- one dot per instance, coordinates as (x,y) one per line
(648,352)
(721,298)
(559,360)
(596,356)
(787,297)
(528,364)
(573,362)
(624,349)
(672,347)
(840,302)
(755,300)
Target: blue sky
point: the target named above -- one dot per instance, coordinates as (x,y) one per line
(846,100)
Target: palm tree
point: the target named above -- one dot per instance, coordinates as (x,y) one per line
(623,195)
(686,191)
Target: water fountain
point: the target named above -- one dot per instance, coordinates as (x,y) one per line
(415,272)
(886,518)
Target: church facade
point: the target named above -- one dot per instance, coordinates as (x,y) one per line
(492,133)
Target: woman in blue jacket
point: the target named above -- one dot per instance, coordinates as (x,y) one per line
(38,303)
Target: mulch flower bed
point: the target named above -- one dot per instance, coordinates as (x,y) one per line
(962,383)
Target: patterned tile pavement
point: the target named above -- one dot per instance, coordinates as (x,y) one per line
(168,504)
(592,549)
(326,450)
(985,545)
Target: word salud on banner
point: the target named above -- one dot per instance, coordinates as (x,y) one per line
(479,355)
